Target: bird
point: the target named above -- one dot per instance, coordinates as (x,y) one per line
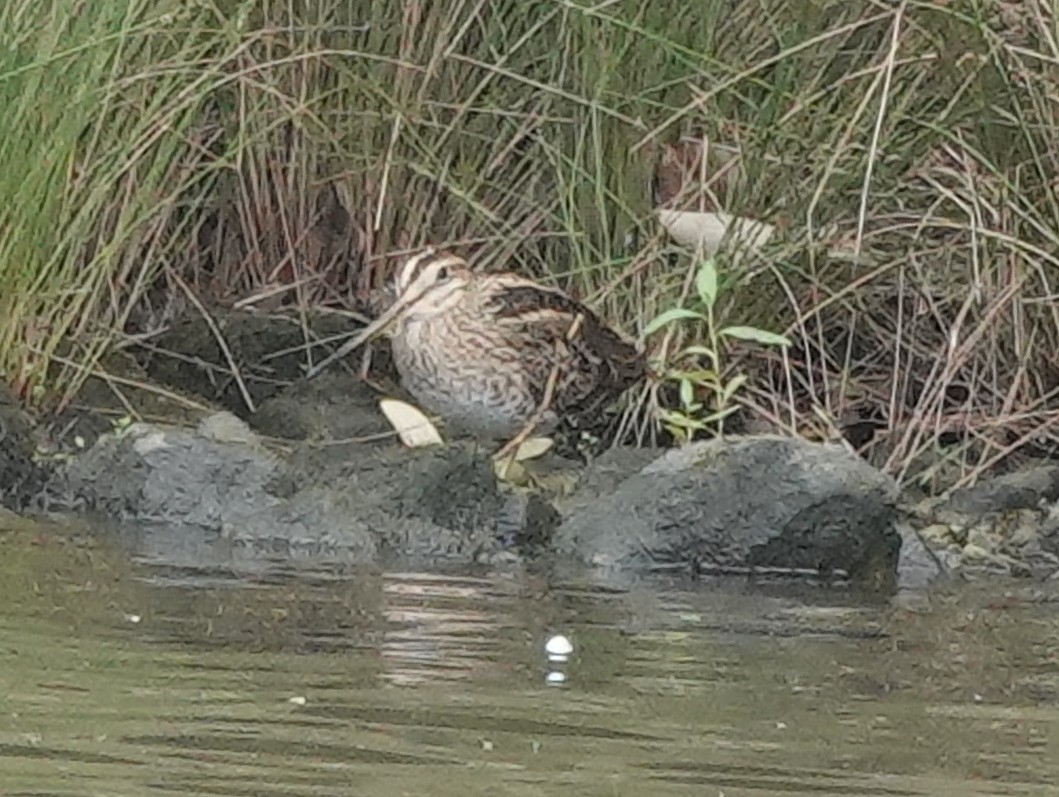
(497,355)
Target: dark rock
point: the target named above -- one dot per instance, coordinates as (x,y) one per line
(610,469)
(528,521)
(743,505)
(356,504)
(917,566)
(1047,542)
(1027,488)
(334,406)
(314,528)
(22,479)
(269,352)
(120,388)
(171,474)
(1004,524)
(454,487)
(315,523)
(452,490)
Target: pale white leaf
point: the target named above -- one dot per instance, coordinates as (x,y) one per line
(708,230)
(533,448)
(412,426)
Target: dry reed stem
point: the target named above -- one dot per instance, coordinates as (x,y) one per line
(236,372)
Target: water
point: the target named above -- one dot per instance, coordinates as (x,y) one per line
(122,677)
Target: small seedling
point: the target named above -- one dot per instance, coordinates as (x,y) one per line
(705,375)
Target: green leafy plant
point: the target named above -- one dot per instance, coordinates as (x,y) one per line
(706,374)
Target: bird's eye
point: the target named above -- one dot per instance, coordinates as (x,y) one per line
(443,273)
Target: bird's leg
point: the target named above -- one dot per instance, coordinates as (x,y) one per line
(512,446)
(364,370)
(365,364)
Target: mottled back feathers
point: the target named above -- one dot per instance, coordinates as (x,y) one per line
(596,363)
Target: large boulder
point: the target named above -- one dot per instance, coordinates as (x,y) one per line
(212,475)
(358,504)
(738,505)
(433,502)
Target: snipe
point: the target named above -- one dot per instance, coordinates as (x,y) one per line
(498,355)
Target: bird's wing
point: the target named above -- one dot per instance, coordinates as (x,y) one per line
(552,318)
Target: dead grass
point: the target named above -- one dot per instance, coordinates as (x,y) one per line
(292,156)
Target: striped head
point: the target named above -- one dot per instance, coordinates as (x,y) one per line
(429,284)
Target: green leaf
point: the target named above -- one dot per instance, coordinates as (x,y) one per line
(669,316)
(687,392)
(705,351)
(706,282)
(701,351)
(681,435)
(680,420)
(717,416)
(701,376)
(733,385)
(755,335)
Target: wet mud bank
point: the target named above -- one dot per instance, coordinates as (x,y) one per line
(237,462)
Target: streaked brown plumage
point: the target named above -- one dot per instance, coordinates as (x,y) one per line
(481,350)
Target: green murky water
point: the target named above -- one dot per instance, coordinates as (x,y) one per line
(120,677)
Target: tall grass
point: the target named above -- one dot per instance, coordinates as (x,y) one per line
(99,103)
(266,154)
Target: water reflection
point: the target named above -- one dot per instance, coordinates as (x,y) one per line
(442,628)
(123,672)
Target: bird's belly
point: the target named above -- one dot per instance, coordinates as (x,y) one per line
(478,395)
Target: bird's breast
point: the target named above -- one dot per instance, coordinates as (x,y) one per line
(458,373)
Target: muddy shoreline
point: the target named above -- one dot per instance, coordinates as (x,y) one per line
(224,453)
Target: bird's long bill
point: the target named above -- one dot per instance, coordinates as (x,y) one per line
(372,330)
